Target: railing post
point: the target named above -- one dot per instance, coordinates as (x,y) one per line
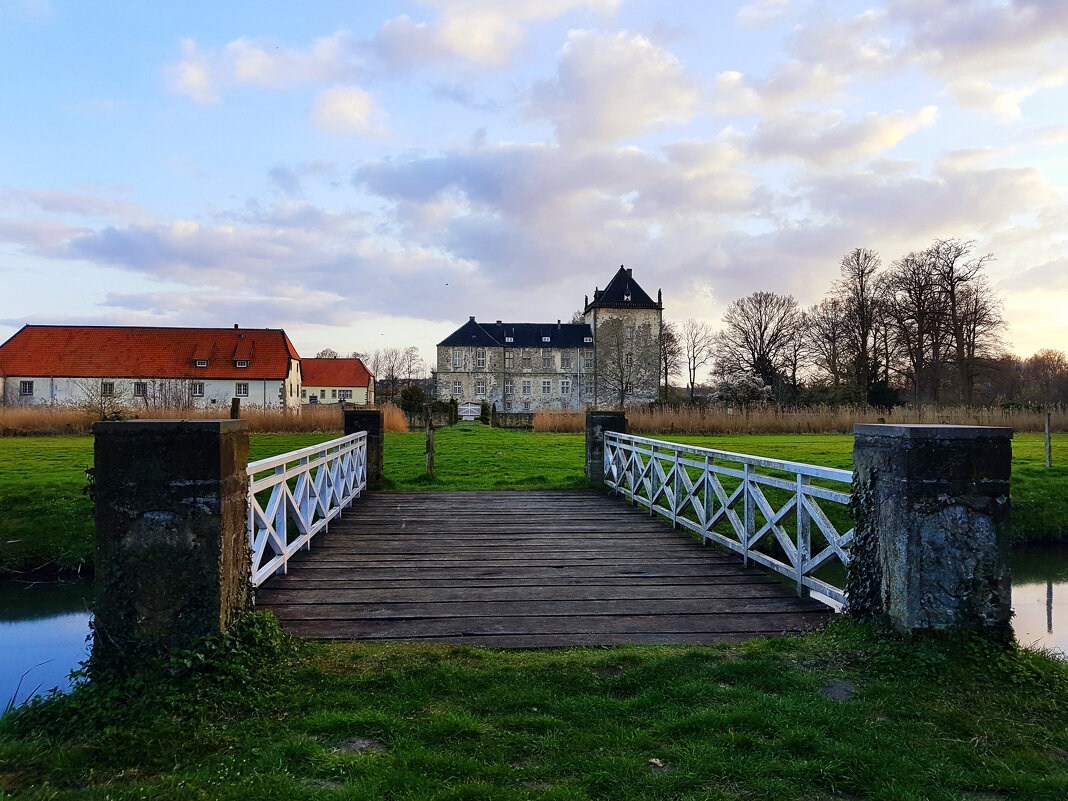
(804,532)
(171,517)
(931,509)
(676,494)
(709,494)
(597,423)
(369,420)
(749,510)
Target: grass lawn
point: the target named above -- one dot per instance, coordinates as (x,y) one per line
(48,518)
(841,714)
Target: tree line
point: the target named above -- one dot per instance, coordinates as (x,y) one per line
(927,328)
(393,368)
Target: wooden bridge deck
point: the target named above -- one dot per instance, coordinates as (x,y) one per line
(524,570)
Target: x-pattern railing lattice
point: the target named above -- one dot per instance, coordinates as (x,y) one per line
(686,485)
(308,488)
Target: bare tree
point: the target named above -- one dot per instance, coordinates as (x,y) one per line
(670,354)
(698,343)
(392,365)
(914,303)
(857,289)
(102,398)
(327,353)
(411,364)
(758,336)
(828,343)
(1047,375)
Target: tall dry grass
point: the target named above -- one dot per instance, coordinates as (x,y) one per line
(812,420)
(325,418)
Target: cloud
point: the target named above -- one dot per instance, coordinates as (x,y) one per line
(762,12)
(205,75)
(483,32)
(347,110)
(824,138)
(52,201)
(612,86)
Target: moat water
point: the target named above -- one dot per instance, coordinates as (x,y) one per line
(44,628)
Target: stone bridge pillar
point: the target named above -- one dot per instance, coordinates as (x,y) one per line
(596,424)
(931,508)
(172,550)
(369,420)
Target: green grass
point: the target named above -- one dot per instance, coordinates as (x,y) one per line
(925,720)
(48,519)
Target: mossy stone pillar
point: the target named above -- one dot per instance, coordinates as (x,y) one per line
(369,420)
(597,423)
(931,508)
(172,549)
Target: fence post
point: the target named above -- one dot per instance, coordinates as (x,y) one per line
(369,420)
(931,510)
(172,552)
(750,513)
(596,424)
(804,532)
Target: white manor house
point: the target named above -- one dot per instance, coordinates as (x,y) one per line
(611,359)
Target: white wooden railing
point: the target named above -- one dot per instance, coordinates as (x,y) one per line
(686,485)
(308,488)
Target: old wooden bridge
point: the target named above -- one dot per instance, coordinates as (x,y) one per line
(543,568)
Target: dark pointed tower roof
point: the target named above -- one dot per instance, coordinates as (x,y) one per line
(622,292)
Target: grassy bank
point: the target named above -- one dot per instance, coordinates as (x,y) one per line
(48,523)
(841,714)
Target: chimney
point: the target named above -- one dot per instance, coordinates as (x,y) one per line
(472,318)
(498,322)
(235,326)
(558,322)
(630,272)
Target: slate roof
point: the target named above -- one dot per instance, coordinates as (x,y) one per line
(334,373)
(523,335)
(622,292)
(86,351)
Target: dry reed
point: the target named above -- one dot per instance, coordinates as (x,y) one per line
(810,420)
(325,418)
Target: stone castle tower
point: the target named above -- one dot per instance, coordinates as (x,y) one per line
(626,325)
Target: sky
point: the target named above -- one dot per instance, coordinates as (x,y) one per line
(369,174)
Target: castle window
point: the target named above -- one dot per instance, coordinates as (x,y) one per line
(565,361)
(526,358)
(546,387)
(546,358)
(333,393)
(480,358)
(457,358)
(587,388)
(509,359)
(322,393)
(628,360)
(587,360)
(457,389)
(565,386)
(509,387)
(140,389)
(526,387)
(25,387)
(198,389)
(526,406)
(480,387)
(344,394)
(107,388)
(630,332)
(241,389)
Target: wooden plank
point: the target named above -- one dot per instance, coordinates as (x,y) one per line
(525,570)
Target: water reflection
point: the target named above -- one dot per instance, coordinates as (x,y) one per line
(1040,597)
(43,631)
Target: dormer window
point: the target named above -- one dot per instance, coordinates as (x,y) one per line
(626,296)
(545,339)
(200,363)
(509,339)
(587,339)
(240,362)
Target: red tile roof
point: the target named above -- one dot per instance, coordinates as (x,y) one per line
(334,373)
(134,352)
